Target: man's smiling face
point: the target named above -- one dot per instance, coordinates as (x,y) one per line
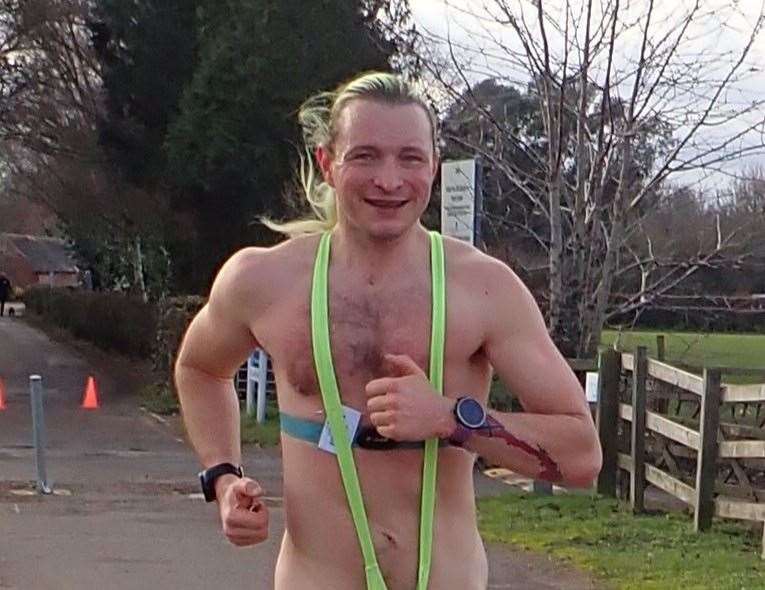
(381,165)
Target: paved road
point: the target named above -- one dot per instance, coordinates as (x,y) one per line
(125,516)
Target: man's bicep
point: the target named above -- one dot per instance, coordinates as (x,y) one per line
(215,344)
(525,357)
(219,338)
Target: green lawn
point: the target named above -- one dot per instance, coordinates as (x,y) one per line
(694,350)
(265,434)
(647,552)
(160,399)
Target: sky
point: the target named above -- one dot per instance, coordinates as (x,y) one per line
(712,42)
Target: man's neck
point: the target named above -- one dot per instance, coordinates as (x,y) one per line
(376,258)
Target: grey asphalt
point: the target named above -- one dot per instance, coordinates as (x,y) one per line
(125,514)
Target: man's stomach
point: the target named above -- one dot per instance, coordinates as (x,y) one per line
(321,548)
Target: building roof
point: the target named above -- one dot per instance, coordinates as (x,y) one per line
(43,254)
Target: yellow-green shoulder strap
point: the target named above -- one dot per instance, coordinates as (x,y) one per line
(437,340)
(332,405)
(330,395)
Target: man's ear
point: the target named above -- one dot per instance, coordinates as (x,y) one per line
(324,158)
(436,163)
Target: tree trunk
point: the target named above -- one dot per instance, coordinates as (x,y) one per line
(554,190)
(138,274)
(603,290)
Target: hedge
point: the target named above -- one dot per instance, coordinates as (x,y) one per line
(110,320)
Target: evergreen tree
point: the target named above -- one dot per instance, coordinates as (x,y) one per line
(201,104)
(235,144)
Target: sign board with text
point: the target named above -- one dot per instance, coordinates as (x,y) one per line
(460,199)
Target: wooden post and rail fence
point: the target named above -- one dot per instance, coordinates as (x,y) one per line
(709,445)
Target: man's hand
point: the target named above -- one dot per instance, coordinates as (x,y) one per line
(405,407)
(243,515)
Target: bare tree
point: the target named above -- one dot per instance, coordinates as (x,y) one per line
(630,95)
(49,80)
(50,103)
(49,96)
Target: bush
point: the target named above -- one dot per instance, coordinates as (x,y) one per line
(110,320)
(501,399)
(174,316)
(160,399)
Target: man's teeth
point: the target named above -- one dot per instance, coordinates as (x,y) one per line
(386,204)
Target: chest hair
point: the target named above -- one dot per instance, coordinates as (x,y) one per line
(368,323)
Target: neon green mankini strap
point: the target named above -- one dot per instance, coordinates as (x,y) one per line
(331,398)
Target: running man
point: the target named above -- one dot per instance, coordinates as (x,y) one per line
(5,292)
(354,301)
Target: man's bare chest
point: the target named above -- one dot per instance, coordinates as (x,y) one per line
(365,324)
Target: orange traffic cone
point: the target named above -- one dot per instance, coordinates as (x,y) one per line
(2,394)
(90,399)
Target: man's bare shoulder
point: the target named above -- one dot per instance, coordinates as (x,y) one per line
(473,268)
(289,253)
(506,306)
(254,275)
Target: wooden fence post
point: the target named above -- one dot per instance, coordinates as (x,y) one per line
(637,479)
(706,468)
(662,403)
(660,347)
(607,418)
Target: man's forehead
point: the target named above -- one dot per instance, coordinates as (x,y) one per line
(364,122)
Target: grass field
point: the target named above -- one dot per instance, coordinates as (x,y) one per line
(647,552)
(160,399)
(694,350)
(265,434)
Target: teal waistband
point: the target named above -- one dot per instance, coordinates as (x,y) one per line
(366,437)
(306,430)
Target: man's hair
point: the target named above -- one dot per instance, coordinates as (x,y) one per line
(318,118)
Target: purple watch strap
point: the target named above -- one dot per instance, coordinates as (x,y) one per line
(460,435)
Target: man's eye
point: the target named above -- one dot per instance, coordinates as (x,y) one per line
(362,156)
(413,158)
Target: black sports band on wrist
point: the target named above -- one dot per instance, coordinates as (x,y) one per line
(208,477)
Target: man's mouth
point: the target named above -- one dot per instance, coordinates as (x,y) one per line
(387,203)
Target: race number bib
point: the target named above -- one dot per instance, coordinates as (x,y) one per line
(352,418)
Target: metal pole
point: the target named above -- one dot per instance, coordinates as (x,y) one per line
(478,188)
(251,374)
(262,385)
(38,432)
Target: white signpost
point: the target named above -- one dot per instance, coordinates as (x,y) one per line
(460,199)
(257,382)
(591,387)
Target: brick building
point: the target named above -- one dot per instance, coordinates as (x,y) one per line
(37,260)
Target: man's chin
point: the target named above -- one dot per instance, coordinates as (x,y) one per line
(388,232)
(383,229)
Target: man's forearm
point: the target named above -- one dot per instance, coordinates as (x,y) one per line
(211,413)
(559,448)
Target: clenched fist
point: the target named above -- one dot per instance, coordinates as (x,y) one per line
(404,406)
(244,517)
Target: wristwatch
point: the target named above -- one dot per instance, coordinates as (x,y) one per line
(208,476)
(470,416)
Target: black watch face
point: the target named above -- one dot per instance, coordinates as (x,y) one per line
(471,413)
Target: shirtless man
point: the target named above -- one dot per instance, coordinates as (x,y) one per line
(375,144)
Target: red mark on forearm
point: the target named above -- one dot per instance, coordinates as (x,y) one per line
(495,429)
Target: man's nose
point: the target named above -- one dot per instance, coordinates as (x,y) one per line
(388,176)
